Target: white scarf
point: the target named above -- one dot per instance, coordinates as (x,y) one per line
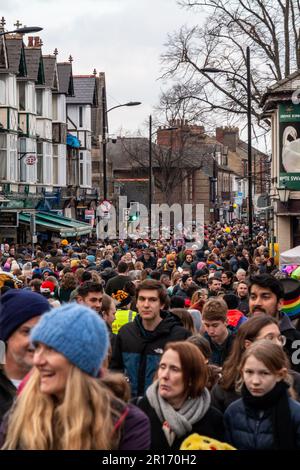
(177,423)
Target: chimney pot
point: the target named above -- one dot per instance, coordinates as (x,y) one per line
(30,41)
(36,41)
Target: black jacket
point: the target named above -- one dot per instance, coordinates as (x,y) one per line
(137,352)
(211,425)
(7,394)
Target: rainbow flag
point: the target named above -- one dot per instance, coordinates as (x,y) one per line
(291,308)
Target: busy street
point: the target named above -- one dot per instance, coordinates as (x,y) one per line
(149,231)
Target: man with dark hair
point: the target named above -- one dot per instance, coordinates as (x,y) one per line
(139,344)
(90,294)
(242,293)
(118,282)
(214,286)
(266,298)
(227,280)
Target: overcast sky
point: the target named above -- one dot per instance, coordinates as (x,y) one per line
(123,38)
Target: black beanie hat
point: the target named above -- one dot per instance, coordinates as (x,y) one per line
(17,306)
(232,301)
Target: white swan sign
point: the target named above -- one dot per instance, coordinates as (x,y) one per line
(289,144)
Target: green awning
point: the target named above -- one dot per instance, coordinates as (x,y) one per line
(63,225)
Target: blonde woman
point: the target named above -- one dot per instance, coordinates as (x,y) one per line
(63,406)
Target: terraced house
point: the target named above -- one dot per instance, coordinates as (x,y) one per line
(45,141)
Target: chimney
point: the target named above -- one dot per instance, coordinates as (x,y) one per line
(37,41)
(228,136)
(30,41)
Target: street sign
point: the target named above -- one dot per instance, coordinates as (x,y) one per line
(9,219)
(89,214)
(30,159)
(105,206)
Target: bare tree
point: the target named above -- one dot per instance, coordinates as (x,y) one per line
(173,162)
(269,27)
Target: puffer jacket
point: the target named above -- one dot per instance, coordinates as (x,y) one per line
(137,352)
(249,429)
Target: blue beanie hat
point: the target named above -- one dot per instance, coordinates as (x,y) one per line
(77,332)
(17,306)
(91,258)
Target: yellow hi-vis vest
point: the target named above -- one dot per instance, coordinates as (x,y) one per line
(121,318)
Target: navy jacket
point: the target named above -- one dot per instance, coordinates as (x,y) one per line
(248,429)
(137,352)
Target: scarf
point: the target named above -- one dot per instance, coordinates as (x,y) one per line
(177,423)
(277,401)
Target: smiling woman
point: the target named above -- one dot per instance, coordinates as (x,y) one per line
(178,403)
(64,405)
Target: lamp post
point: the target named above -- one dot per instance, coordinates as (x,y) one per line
(104,134)
(25,30)
(249,124)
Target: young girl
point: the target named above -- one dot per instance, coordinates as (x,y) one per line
(266,417)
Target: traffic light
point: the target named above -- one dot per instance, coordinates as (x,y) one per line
(134,212)
(133,217)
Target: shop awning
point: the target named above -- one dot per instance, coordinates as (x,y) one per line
(63,225)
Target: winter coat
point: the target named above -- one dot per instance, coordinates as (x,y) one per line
(137,352)
(7,394)
(249,429)
(220,352)
(211,425)
(235,318)
(133,424)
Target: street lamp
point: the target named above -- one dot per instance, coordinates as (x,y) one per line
(283,194)
(104,133)
(249,116)
(25,30)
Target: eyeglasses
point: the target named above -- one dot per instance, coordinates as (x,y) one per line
(272,337)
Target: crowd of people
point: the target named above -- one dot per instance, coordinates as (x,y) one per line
(136,345)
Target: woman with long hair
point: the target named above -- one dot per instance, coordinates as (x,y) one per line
(178,402)
(256,328)
(67,285)
(64,405)
(266,417)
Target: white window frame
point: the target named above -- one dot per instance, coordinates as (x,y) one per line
(48,167)
(3,90)
(62,165)
(12,151)
(3,156)
(12,91)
